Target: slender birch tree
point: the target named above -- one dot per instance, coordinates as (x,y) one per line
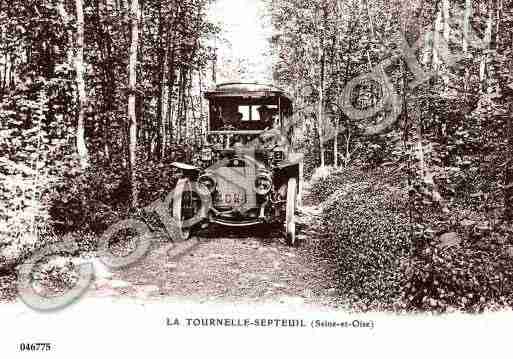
(82,97)
(132,88)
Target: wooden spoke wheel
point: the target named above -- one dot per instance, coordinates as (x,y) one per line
(183,206)
(291,205)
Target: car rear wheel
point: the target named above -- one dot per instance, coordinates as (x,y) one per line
(290,223)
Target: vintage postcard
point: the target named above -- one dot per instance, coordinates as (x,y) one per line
(256,178)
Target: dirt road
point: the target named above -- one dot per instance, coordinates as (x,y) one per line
(230,264)
(223,264)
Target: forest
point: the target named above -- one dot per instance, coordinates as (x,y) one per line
(441,172)
(97,97)
(95,93)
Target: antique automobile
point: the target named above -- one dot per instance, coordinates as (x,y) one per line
(246,173)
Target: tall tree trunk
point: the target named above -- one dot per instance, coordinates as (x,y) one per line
(446,16)
(132,83)
(335,143)
(320,125)
(202,114)
(170,86)
(178,124)
(160,75)
(3,82)
(428,187)
(106,84)
(467,15)
(139,98)
(485,57)
(508,175)
(507,90)
(322,60)
(214,63)
(82,100)
(329,96)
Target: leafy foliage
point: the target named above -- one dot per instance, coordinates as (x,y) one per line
(370,234)
(42,185)
(472,277)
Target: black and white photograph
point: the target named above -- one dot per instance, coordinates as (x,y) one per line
(256,178)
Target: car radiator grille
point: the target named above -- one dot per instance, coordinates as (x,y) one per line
(232,183)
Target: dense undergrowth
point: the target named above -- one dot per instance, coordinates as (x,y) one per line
(79,208)
(386,261)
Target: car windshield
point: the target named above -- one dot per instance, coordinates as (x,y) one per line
(238,115)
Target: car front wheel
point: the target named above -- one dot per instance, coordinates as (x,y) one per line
(181,204)
(290,223)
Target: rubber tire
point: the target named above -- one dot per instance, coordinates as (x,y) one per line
(182,185)
(290,223)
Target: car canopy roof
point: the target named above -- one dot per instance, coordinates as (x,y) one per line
(247,91)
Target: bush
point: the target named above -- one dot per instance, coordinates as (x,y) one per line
(95,199)
(323,187)
(370,229)
(155,180)
(86,202)
(472,277)
(325,182)
(380,267)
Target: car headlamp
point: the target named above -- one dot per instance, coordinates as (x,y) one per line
(208,181)
(263,184)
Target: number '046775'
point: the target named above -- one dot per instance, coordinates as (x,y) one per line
(35,347)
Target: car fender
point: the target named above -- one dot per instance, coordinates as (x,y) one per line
(188,170)
(292,167)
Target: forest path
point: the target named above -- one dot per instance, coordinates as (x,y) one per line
(237,265)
